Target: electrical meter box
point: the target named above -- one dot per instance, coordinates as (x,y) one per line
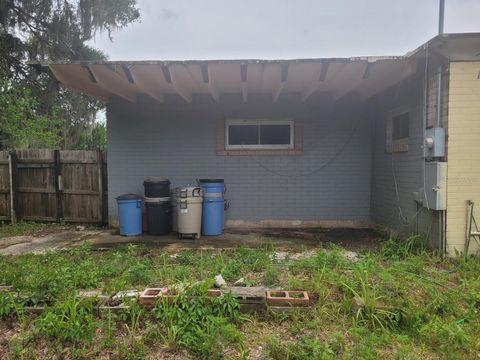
(435,142)
(436,185)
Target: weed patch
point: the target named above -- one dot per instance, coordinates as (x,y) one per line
(71,321)
(400,301)
(198,323)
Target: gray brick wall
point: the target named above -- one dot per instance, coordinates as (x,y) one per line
(330,180)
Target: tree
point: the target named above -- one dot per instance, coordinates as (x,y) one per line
(22,124)
(94,138)
(39,31)
(43,30)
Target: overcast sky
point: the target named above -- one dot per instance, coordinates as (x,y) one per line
(279,29)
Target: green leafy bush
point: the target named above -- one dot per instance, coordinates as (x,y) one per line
(71,320)
(45,278)
(369,311)
(271,276)
(445,335)
(203,325)
(403,249)
(7,304)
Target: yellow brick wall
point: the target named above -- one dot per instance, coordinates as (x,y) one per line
(463,151)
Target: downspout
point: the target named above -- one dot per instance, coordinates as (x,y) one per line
(438,110)
(438,123)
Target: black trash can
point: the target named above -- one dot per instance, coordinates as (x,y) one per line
(159,215)
(157,187)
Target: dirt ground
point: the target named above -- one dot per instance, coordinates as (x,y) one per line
(292,239)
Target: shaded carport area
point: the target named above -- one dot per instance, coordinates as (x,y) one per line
(335,88)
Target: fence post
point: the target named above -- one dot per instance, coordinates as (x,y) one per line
(58,184)
(12,170)
(101,187)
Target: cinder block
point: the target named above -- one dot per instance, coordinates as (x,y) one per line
(214,292)
(150,295)
(287,298)
(247,295)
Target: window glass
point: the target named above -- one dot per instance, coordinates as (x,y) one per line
(243,134)
(259,134)
(274,134)
(401,126)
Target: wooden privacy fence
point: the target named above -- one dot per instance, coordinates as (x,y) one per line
(53,185)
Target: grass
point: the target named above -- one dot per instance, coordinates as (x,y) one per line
(399,302)
(28,228)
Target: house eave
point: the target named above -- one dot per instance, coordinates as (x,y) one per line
(365,76)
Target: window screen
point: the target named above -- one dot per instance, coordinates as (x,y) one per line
(259,134)
(401,126)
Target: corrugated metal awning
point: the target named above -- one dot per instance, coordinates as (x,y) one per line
(339,76)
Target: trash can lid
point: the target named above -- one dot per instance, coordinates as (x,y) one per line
(156,200)
(129,197)
(156,180)
(211,181)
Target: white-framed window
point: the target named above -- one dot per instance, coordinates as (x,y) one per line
(259,134)
(398,130)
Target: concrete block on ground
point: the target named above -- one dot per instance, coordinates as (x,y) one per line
(126,294)
(150,295)
(248,295)
(287,298)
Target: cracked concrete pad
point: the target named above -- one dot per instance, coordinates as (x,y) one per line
(40,244)
(287,247)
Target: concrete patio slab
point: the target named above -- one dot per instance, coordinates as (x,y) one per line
(293,240)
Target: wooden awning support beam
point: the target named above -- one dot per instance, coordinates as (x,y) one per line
(141,85)
(110,83)
(321,79)
(243,78)
(352,85)
(283,81)
(207,79)
(171,78)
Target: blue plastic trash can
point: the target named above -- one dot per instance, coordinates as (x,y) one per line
(212,216)
(213,206)
(130,214)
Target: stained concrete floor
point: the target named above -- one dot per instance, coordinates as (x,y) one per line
(291,239)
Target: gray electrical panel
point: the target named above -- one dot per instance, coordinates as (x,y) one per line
(435,142)
(436,185)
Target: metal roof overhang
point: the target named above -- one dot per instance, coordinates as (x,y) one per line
(452,47)
(365,76)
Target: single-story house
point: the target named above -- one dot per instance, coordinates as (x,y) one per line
(345,142)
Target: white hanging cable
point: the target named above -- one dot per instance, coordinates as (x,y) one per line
(319,168)
(402,217)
